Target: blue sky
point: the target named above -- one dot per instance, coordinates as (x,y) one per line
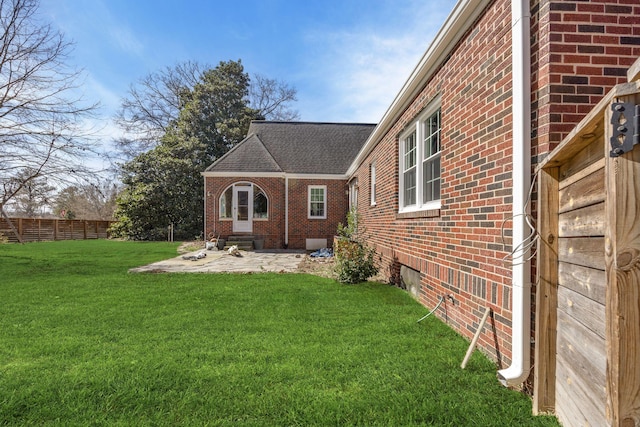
(346,58)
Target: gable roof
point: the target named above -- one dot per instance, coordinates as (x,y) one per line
(295,147)
(250,155)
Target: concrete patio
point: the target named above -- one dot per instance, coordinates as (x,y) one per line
(215,261)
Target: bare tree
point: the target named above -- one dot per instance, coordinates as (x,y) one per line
(155,102)
(272,98)
(93,201)
(42,116)
(33,198)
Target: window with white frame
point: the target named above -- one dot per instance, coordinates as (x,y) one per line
(260,202)
(419,162)
(317,201)
(353,194)
(372,183)
(226,203)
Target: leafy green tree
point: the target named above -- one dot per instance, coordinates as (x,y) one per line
(155,102)
(163,186)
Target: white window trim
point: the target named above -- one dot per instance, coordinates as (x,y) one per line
(253,191)
(416,126)
(353,194)
(266,218)
(312,187)
(372,182)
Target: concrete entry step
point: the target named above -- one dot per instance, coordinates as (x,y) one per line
(241,238)
(242,247)
(243,242)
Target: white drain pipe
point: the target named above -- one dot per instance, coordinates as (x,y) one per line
(286,211)
(518,372)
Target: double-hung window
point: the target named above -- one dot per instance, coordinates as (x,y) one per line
(353,194)
(409,170)
(419,148)
(431,158)
(317,202)
(372,179)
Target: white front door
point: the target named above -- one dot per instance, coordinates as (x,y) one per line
(243,208)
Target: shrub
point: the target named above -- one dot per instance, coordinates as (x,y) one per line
(355,261)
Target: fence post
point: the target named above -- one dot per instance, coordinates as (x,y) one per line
(546,292)
(622,263)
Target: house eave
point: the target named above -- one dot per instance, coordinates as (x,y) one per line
(461,18)
(231,174)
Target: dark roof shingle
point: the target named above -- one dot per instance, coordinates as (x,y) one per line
(296,147)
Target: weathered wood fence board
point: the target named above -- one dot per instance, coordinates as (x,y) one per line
(584,251)
(579,407)
(584,192)
(586,281)
(43,229)
(584,349)
(583,222)
(584,311)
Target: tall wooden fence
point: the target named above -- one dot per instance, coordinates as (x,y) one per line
(41,229)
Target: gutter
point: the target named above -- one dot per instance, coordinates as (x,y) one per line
(518,372)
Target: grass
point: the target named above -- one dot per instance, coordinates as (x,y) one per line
(83,342)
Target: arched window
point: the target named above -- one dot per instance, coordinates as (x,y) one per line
(225,203)
(260,202)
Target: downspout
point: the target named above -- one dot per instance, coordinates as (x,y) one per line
(206,199)
(286,211)
(518,372)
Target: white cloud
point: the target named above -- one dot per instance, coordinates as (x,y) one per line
(361,70)
(93,22)
(126,40)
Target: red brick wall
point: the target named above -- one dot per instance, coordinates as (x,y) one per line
(459,251)
(273,229)
(580,50)
(300,226)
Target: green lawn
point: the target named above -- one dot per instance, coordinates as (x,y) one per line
(83,342)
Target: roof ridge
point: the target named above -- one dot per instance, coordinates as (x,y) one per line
(257,135)
(219,159)
(236,147)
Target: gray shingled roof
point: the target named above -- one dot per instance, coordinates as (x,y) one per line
(296,147)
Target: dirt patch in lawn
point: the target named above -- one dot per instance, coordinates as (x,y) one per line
(190,247)
(323,267)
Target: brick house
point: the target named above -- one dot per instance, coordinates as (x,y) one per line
(443,182)
(444,179)
(285,184)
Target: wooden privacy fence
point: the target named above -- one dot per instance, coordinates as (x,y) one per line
(587,355)
(40,229)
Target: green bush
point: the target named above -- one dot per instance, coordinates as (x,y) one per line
(355,261)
